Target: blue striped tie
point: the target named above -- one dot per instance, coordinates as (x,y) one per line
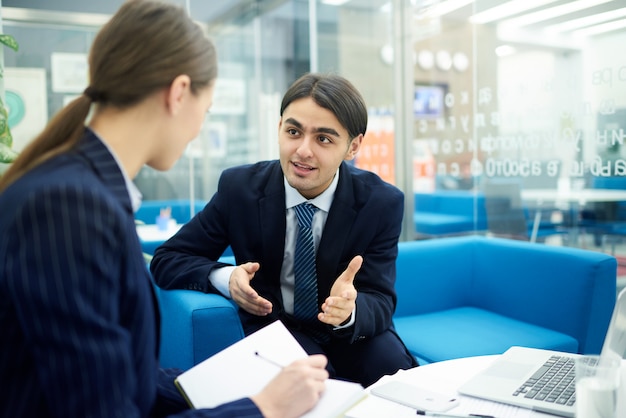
(305,293)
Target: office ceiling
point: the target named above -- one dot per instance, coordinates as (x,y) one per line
(562,16)
(204,10)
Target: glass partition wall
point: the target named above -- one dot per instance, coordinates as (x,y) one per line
(521,105)
(495,117)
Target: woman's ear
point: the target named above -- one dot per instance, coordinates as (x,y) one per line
(177,92)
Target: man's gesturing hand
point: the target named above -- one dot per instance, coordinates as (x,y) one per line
(243,294)
(338,307)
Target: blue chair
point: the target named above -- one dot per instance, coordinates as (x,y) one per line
(510,217)
(606,221)
(474,295)
(449,212)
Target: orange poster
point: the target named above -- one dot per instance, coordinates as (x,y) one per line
(377,150)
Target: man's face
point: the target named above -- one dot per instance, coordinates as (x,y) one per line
(312,145)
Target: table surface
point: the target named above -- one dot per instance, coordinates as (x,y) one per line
(445,377)
(581,196)
(150,232)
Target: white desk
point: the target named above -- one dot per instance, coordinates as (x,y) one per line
(150,232)
(580,196)
(151,236)
(445,377)
(574,198)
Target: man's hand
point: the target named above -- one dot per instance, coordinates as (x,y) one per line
(243,294)
(338,307)
(295,390)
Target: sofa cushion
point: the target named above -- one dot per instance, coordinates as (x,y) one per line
(474,332)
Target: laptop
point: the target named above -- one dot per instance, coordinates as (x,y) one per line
(511,376)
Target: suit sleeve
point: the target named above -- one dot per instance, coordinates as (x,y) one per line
(375,282)
(170,403)
(186,259)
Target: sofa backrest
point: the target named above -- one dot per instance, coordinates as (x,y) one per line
(451,202)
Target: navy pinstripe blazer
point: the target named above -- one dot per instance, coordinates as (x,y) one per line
(78,315)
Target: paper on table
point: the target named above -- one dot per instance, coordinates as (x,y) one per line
(376,407)
(238,372)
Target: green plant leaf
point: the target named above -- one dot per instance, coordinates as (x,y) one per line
(7,155)
(5,132)
(9,41)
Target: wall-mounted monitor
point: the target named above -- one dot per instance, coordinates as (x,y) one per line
(428,102)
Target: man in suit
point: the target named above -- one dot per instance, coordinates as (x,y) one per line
(355,227)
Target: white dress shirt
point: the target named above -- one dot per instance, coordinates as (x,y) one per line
(133,192)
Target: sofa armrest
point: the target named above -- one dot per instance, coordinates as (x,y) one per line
(194,326)
(432,275)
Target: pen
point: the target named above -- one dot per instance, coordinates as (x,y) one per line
(268,360)
(444,415)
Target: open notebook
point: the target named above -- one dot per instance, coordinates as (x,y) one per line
(244,368)
(507,380)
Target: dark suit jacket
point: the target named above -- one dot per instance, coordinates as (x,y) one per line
(77,309)
(248,213)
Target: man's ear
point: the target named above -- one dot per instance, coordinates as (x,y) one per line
(177,92)
(354,147)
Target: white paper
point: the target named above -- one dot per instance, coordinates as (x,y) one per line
(244,368)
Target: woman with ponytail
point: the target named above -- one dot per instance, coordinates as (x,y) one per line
(78,314)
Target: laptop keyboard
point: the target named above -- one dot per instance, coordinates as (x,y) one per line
(553,382)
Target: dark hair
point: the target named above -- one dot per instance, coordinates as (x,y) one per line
(334,93)
(141,50)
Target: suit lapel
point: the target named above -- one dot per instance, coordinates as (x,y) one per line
(336,231)
(273,222)
(99,158)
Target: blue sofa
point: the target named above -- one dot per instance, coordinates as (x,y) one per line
(457,297)
(445,212)
(473,295)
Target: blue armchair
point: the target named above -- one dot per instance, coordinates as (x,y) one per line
(473,295)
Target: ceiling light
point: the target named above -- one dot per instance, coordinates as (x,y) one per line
(335,2)
(505,50)
(552,12)
(445,7)
(599,29)
(587,21)
(507,9)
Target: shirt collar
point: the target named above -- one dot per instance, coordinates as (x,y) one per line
(323,201)
(133,192)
